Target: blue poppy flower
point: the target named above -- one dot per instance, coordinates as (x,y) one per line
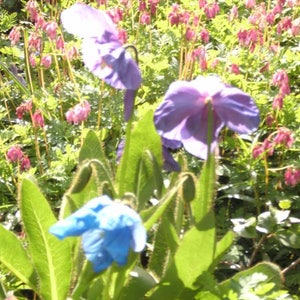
(102,52)
(108,229)
(183,115)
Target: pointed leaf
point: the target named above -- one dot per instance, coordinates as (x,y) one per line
(51,257)
(17,261)
(142,138)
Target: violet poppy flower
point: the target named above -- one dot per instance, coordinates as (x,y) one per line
(108,229)
(102,52)
(183,115)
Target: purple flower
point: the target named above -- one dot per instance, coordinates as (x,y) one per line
(103,54)
(183,115)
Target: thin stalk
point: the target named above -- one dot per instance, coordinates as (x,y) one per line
(27,64)
(291,266)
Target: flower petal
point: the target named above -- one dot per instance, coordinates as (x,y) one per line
(195,134)
(117,244)
(111,63)
(182,101)
(82,220)
(139,237)
(93,247)
(85,21)
(237,110)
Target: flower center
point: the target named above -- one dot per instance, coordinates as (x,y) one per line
(208,100)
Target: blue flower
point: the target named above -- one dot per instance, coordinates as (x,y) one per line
(103,54)
(183,115)
(108,229)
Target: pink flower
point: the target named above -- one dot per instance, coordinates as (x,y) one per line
(250,38)
(32,8)
(14,154)
(292,176)
(234,68)
(38,119)
(250,3)
(204,35)
(211,10)
(32,60)
(234,13)
(190,34)
(24,107)
(34,42)
(60,44)
(145,18)
(116,15)
(78,113)
(278,102)
(51,29)
(281,80)
(202,3)
(46,61)
(14,35)
(266,148)
(284,137)
(25,164)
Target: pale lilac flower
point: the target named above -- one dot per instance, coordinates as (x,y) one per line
(183,115)
(102,51)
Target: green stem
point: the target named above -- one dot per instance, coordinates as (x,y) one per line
(86,276)
(124,160)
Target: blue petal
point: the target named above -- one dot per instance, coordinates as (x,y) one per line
(95,252)
(82,220)
(117,244)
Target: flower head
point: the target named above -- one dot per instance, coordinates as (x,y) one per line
(102,51)
(78,113)
(183,115)
(108,229)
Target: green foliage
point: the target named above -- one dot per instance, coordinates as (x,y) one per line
(227,228)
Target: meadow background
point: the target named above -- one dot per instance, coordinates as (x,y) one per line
(48,155)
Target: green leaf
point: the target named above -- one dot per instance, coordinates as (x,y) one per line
(51,257)
(151,215)
(254,280)
(245,228)
(15,79)
(91,148)
(223,246)
(139,283)
(165,243)
(289,237)
(17,261)
(197,242)
(139,140)
(205,191)
(193,258)
(149,178)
